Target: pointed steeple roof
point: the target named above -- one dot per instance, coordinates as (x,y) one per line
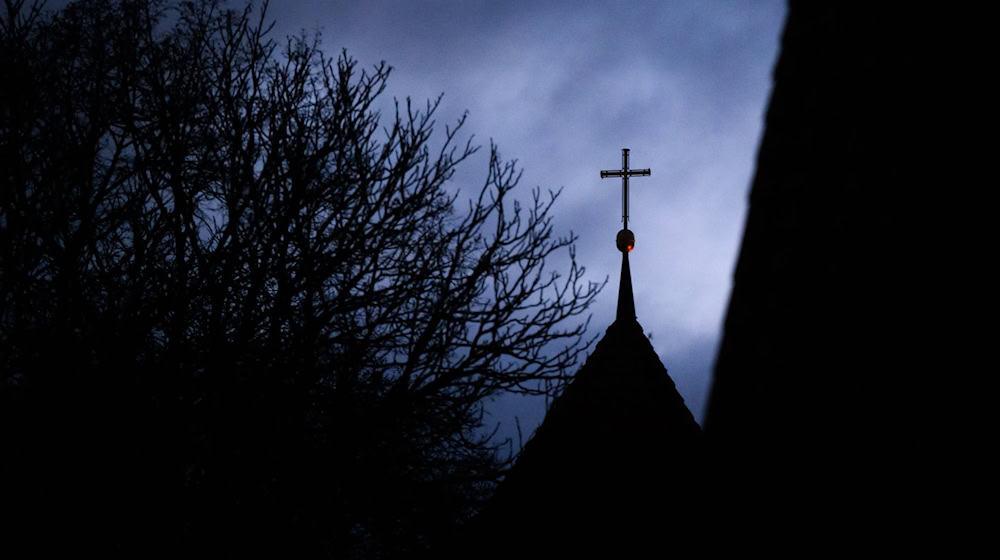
(626,303)
(622,399)
(616,442)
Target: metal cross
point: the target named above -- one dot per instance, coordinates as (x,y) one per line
(625,173)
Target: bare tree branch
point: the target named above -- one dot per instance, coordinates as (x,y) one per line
(264,297)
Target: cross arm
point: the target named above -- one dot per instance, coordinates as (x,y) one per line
(629,173)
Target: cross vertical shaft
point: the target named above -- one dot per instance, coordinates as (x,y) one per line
(625,187)
(625,173)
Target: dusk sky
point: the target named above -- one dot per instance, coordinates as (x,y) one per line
(561,87)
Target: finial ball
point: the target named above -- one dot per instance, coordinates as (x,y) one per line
(625,240)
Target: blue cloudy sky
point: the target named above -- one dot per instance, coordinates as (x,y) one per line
(562,87)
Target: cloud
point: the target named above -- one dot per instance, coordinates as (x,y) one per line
(562,87)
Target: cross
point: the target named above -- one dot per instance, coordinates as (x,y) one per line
(625,173)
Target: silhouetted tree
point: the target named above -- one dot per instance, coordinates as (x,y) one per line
(240,310)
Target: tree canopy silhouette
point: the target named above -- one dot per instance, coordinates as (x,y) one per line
(241,309)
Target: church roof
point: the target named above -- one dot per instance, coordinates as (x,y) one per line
(622,399)
(618,440)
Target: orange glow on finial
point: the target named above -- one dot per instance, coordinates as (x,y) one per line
(625,241)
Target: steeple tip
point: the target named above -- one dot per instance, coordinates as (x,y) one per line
(626,302)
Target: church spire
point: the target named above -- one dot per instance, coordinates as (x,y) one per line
(626,304)
(625,240)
